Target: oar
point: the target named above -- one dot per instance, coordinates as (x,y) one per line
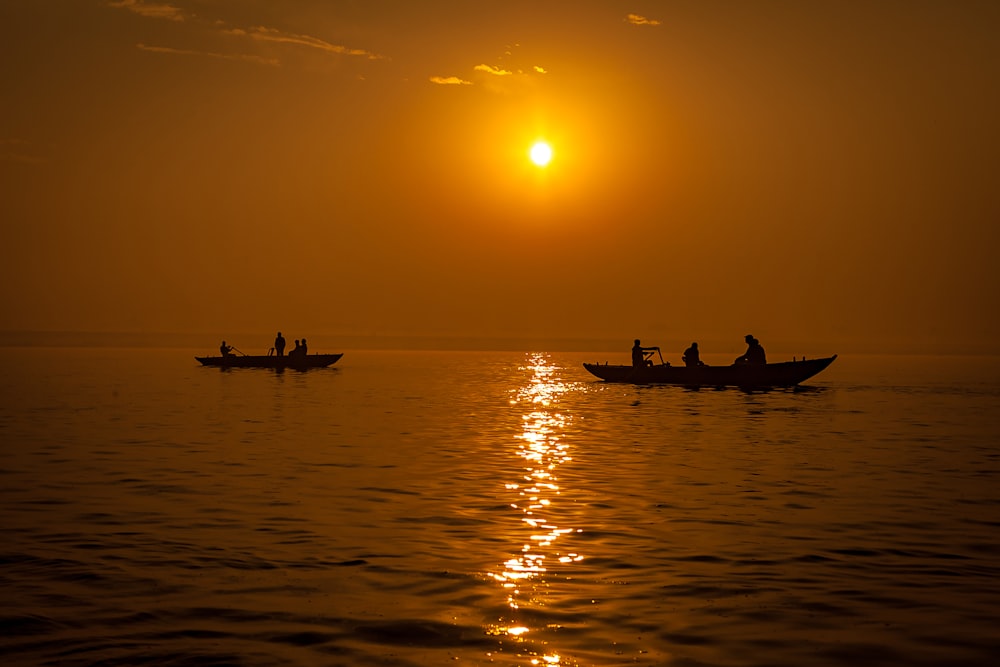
(662,362)
(238,350)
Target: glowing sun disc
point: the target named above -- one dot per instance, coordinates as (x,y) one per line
(541,153)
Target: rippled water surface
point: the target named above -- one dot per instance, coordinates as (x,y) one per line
(425,508)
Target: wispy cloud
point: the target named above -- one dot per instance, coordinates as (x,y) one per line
(224,56)
(162,10)
(636,19)
(498,78)
(263,34)
(450,81)
(154,10)
(490,69)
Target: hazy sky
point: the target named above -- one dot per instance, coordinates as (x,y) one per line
(806,171)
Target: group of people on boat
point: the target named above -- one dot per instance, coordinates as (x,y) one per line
(641,356)
(301,348)
(754,356)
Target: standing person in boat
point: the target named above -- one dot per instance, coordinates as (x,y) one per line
(691,357)
(640,355)
(279,345)
(226,350)
(754,355)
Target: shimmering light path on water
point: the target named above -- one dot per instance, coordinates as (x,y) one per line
(537,494)
(415,508)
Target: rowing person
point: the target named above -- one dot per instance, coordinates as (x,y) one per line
(641,355)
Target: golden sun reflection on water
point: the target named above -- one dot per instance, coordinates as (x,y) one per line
(537,495)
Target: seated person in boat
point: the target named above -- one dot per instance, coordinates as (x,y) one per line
(754,355)
(691,357)
(641,355)
(226,350)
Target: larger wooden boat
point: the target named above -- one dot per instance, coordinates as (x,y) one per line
(271,361)
(782,374)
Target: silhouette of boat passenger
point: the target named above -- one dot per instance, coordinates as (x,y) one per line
(754,356)
(226,350)
(691,356)
(279,345)
(641,355)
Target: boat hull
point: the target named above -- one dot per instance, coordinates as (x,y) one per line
(271,361)
(783,374)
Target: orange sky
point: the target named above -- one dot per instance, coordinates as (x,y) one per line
(811,174)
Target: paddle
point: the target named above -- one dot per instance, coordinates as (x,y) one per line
(233,347)
(662,362)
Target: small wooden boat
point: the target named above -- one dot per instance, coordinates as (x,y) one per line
(298,362)
(782,374)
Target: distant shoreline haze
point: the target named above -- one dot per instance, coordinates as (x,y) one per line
(672,346)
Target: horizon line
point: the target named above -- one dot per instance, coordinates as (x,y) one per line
(459,342)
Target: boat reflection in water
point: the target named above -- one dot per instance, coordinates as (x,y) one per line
(536,494)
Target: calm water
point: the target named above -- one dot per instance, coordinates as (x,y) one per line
(423,508)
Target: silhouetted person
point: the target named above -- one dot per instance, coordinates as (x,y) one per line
(225,349)
(296,351)
(754,355)
(279,345)
(640,355)
(691,357)
(304,350)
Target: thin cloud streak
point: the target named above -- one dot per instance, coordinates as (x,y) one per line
(263,34)
(636,19)
(450,81)
(489,69)
(209,54)
(257,33)
(494,75)
(154,10)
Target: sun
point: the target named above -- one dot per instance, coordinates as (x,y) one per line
(541,153)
